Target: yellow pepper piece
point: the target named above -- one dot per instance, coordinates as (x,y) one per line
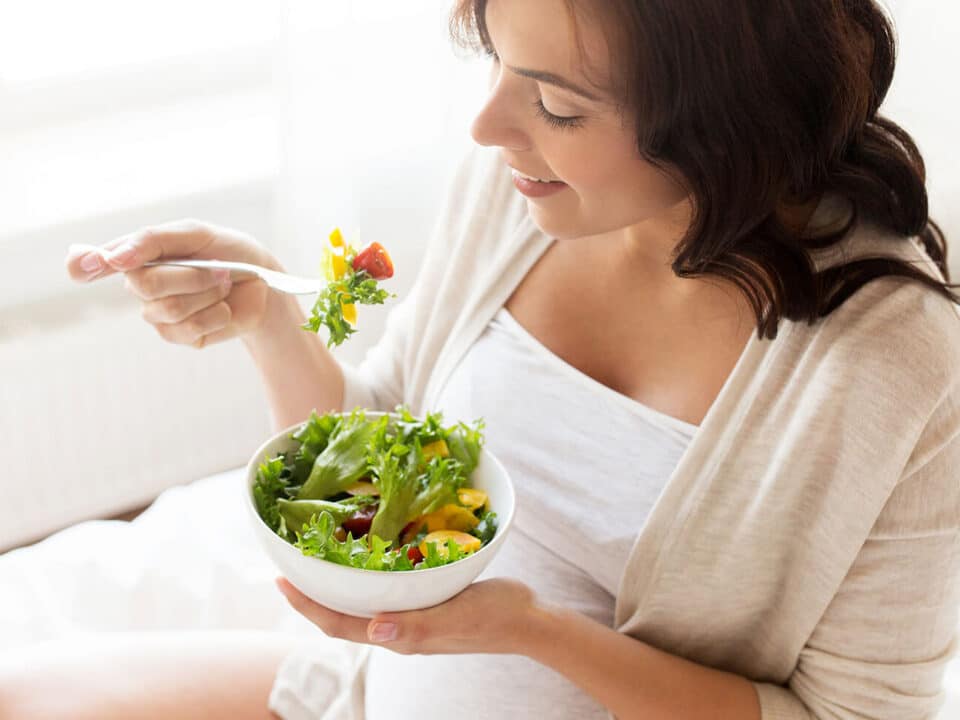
(362,487)
(349,313)
(338,264)
(471,498)
(449,517)
(334,261)
(467,543)
(333,264)
(438,447)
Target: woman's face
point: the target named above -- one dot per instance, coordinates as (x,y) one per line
(554,120)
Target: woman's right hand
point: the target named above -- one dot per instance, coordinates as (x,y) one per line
(187,306)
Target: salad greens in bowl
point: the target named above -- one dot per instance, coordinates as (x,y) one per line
(369,512)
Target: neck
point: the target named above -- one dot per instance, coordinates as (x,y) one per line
(641,254)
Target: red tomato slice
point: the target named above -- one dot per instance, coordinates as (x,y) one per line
(375,260)
(414,554)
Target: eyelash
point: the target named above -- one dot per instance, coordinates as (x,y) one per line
(554,121)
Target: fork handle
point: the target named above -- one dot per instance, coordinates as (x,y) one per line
(233,267)
(210,264)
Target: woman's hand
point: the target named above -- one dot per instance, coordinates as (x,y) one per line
(489,616)
(188,306)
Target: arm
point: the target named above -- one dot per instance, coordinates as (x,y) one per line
(633,679)
(298,371)
(881,646)
(879,650)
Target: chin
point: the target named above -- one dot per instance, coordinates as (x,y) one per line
(551,225)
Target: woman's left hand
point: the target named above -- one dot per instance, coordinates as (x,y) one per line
(489,616)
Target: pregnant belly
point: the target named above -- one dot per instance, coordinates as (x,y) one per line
(462,687)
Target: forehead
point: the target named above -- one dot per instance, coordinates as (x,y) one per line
(556,36)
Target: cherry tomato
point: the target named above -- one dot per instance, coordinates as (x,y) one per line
(359,522)
(375,261)
(414,554)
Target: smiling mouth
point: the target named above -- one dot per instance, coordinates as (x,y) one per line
(519,174)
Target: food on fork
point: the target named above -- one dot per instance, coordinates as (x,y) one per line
(352,278)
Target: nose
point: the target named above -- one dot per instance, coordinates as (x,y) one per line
(497,123)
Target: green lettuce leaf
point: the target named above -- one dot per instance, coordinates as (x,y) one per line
(343,461)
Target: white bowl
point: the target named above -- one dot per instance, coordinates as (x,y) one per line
(364,593)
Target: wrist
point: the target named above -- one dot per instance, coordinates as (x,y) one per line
(540,629)
(282,317)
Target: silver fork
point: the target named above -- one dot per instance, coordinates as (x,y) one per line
(284,282)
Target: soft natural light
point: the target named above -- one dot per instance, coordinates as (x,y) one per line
(45,39)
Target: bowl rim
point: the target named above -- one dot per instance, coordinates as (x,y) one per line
(250,476)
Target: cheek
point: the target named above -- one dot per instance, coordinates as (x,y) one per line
(617,181)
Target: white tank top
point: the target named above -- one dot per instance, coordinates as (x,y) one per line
(588,464)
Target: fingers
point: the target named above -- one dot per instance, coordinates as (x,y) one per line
(86,262)
(332,623)
(194,329)
(155,283)
(180,238)
(405,633)
(175,308)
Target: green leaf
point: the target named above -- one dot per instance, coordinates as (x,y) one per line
(486,528)
(313,436)
(296,513)
(354,287)
(343,461)
(267,488)
(465,444)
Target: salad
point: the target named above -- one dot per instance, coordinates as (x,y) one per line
(352,278)
(388,493)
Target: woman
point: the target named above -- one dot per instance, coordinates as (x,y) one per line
(695,294)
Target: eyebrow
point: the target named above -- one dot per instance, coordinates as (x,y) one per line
(552,79)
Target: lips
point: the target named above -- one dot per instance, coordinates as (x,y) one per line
(530,176)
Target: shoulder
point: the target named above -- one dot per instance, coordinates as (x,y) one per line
(893,324)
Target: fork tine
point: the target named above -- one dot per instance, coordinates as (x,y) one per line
(292,284)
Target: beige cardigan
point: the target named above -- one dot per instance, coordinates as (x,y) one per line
(808,539)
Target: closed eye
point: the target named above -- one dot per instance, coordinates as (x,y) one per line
(557,121)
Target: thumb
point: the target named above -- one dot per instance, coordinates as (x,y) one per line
(177,239)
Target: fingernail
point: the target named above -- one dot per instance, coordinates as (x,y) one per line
(121,255)
(382,632)
(91,262)
(221,274)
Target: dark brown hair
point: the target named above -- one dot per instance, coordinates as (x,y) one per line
(757,103)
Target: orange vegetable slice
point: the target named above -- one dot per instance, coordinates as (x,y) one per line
(450,517)
(336,238)
(349,312)
(467,543)
(362,487)
(333,264)
(438,447)
(471,498)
